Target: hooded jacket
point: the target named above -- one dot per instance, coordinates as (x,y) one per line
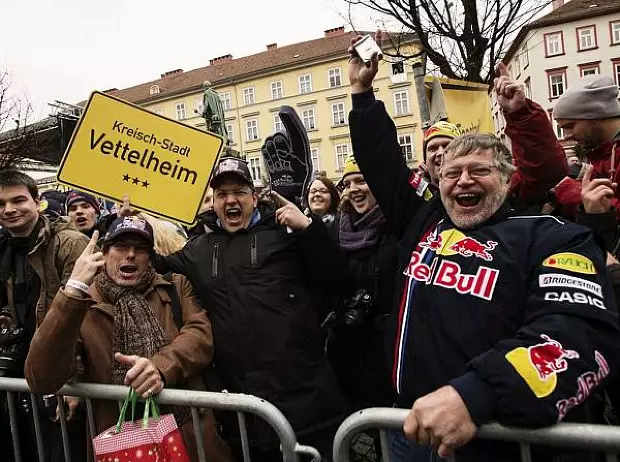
(58,246)
(263,287)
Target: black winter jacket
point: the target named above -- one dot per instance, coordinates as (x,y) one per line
(516,314)
(358,352)
(260,287)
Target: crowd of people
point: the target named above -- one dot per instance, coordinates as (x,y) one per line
(478,287)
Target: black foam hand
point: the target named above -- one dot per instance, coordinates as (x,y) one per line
(287,157)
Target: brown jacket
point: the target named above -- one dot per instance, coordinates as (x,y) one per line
(51,360)
(57,248)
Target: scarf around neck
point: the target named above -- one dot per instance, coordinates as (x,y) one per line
(362,233)
(137,330)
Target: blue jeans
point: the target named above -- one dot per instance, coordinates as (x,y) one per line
(404,450)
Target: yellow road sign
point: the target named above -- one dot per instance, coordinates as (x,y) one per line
(163,165)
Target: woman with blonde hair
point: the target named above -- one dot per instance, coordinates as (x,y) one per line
(168,237)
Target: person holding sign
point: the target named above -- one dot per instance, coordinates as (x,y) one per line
(125,319)
(261,272)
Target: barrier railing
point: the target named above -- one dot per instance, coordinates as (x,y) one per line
(195,400)
(601,438)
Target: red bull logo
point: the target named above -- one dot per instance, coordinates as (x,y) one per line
(449,275)
(549,357)
(539,364)
(453,242)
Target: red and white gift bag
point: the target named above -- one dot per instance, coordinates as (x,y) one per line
(159,441)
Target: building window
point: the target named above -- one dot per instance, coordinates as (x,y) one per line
(276,90)
(338,114)
(278,126)
(305,84)
(589,69)
(248,96)
(398,68)
(251,129)
(230,132)
(616,66)
(406,146)
(525,56)
(159,111)
(314,156)
(335,79)
(586,38)
(342,151)
(307,117)
(154,90)
(528,88)
(517,66)
(401,102)
(180,110)
(226,101)
(559,133)
(554,44)
(614,32)
(557,82)
(254,164)
(199,106)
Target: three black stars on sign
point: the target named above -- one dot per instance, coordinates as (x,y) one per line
(136,181)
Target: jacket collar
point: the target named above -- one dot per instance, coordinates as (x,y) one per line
(158,283)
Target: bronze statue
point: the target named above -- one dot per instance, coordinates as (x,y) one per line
(213,112)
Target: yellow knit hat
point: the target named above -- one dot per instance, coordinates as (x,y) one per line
(441,128)
(350,166)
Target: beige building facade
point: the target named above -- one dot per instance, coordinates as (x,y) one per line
(311,77)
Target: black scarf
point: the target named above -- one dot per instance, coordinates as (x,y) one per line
(362,233)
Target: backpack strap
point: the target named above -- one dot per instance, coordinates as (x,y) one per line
(175,300)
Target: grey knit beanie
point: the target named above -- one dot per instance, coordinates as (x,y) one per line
(596,97)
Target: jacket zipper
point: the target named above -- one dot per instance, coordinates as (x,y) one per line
(216,253)
(253,252)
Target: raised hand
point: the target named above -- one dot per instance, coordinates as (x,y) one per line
(142,376)
(597,194)
(289,214)
(510,93)
(87,265)
(126,209)
(361,74)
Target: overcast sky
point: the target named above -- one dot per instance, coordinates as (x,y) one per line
(64,49)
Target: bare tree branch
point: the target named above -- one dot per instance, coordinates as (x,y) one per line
(465,39)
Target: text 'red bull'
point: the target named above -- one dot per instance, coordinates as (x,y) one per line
(586,383)
(448,274)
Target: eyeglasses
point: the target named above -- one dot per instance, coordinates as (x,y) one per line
(320,191)
(474,171)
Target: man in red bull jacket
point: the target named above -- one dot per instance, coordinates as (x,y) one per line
(499,317)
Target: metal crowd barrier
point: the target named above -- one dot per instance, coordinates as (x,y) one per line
(238,403)
(601,438)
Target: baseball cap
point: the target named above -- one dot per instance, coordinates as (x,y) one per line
(232,165)
(130,225)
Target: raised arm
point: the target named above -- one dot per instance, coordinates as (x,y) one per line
(398,190)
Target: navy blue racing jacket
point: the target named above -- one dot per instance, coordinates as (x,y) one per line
(517,314)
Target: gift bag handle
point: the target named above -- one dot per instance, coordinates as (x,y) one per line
(150,410)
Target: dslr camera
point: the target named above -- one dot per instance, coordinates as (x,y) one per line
(357,308)
(14,347)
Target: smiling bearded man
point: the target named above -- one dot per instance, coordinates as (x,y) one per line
(487,297)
